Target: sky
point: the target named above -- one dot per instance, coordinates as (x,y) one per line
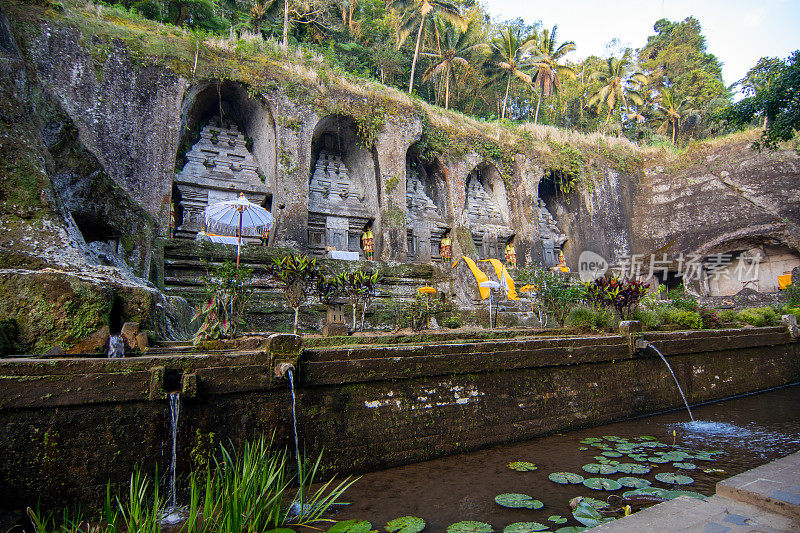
(738,32)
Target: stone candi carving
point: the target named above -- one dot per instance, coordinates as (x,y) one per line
(425,223)
(480,205)
(219,167)
(552,237)
(332,190)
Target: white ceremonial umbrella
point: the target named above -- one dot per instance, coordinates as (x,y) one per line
(491,285)
(238,213)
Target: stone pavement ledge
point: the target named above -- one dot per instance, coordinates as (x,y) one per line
(764,499)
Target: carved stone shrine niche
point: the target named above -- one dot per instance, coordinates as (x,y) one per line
(219,168)
(340,203)
(487,211)
(426,224)
(552,237)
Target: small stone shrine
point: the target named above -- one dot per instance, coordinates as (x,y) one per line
(426,225)
(219,168)
(486,220)
(552,237)
(337,214)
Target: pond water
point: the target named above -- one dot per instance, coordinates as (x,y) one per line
(750,430)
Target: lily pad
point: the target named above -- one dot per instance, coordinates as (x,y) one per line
(571,529)
(601,483)
(633,482)
(351,526)
(611,454)
(406,524)
(517,501)
(590,440)
(558,519)
(604,469)
(525,527)
(564,478)
(713,471)
(684,466)
(633,468)
(642,458)
(469,527)
(646,437)
(597,504)
(647,491)
(674,479)
(588,515)
(583,448)
(522,466)
(657,459)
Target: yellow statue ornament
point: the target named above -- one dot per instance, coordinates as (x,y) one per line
(511,256)
(368,241)
(445,249)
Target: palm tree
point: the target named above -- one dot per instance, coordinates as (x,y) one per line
(508,60)
(671,113)
(615,85)
(415,12)
(547,70)
(455,48)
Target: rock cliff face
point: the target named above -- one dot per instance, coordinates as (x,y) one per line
(98,129)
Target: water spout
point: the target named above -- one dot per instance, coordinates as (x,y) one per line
(116,347)
(174,412)
(641,343)
(290,375)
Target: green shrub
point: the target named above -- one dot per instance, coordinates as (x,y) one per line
(682,317)
(649,318)
(681,299)
(588,319)
(792,311)
(727,316)
(752,317)
(791,295)
(709,317)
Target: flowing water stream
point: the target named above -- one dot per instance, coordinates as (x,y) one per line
(174,413)
(673,377)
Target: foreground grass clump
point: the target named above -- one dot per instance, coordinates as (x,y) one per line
(252,490)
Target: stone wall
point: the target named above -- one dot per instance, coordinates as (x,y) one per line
(72,425)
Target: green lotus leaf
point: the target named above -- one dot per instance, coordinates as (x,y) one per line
(525,527)
(522,466)
(611,454)
(647,491)
(646,437)
(558,519)
(657,459)
(633,482)
(351,526)
(638,457)
(564,478)
(684,466)
(469,527)
(604,469)
(597,504)
(588,515)
(406,524)
(674,479)
(571,529)
(713,471)
(613,437)
(590,440)
(650,444)
(517,501)
(633,468)
(601,483)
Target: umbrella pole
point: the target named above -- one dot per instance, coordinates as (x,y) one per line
(239,244)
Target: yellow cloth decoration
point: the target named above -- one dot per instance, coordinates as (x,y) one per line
(502,272)
(784,281)
(480,277)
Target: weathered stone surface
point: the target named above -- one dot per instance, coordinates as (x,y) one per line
(337,329)
(95,343)
(128,333)
(142,342)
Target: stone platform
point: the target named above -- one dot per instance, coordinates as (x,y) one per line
(765,499)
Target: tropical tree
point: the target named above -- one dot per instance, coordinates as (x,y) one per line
(297,275)
(509,60)
(546,69)
(670,111)
(415,13)
(615,85)
(455,49)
